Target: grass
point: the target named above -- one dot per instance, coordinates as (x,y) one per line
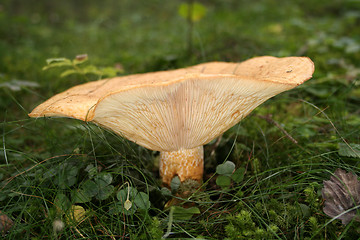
(65,179)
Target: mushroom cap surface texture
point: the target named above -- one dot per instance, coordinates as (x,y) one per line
(182,108)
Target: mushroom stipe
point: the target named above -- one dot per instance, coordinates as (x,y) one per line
(176,112)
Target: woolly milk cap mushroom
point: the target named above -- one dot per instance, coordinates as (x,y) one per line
(176,112)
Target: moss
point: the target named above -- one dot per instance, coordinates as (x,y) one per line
(155,229)
(243,226)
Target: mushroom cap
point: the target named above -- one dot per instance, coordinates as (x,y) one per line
(183,108)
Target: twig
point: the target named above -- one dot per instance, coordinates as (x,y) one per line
(332,124)
(110,235)
(272,121)
(78,232)
(34,196)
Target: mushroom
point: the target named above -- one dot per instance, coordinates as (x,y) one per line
(177,111)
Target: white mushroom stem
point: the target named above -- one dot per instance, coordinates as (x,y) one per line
(184,163)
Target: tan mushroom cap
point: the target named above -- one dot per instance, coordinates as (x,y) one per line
(183,108)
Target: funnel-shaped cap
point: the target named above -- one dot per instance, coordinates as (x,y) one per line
(183,108)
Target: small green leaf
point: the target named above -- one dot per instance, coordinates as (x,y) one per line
(351,150)
(305,210)
(110,72)
(238,175)
(223,181)
(71,180)
(72,170)
(62,202)
(89,188)
(142,201)
(165,191)
(79,196)
(123,194)
(57,62)
(64,181)
(14,194)
(66,175)
(91,169)
(105,192)
(175,184)
(195,11)
(91,69)
(130,201)
(181,213)
(103,179)
(68,72)
(227,168)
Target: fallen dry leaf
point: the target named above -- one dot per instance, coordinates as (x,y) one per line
(5,223)
(341,193)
